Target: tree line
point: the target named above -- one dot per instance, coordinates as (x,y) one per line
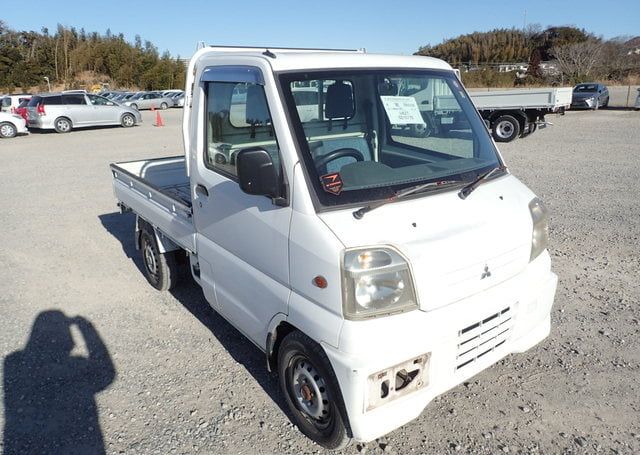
(577,55)
(72,58)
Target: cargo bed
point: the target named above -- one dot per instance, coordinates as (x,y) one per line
(158,191)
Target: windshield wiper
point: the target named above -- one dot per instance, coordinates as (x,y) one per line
(358,214)
(468,188)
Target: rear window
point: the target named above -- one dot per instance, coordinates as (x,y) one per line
(5,102)
(35,101)
(24,102)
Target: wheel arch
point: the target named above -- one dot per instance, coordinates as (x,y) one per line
(278,329)
(165,244)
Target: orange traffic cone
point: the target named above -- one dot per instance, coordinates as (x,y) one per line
(159,121)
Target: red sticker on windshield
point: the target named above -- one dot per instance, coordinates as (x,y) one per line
(332,183)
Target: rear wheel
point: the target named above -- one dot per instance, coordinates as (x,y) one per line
(311,391)
(128,120)
(8,130)
(161,269)
(505,128)
(62,125)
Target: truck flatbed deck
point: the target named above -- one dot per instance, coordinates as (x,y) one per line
(158,190)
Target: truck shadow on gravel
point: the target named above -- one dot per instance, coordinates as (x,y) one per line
(49,391)
(189,294)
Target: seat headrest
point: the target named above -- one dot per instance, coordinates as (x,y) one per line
(388,88)
(339,101)
(257,112)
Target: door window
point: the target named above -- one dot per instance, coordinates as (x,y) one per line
(237,118)
(74,99)
(99,100)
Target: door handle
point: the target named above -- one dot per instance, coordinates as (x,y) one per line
(202,190)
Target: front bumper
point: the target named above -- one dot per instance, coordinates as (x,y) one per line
(587,103)
(372,346)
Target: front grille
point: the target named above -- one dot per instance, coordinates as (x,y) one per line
(483,337)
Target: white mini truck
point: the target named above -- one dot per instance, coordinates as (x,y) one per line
(375,267)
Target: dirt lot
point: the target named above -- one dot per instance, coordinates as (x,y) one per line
(166,375)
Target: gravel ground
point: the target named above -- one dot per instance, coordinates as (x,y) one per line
(104,362)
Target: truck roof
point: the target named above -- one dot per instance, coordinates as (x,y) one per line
(293,59)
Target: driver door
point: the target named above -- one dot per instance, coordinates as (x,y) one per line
(242,239)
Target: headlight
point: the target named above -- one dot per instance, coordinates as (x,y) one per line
(376,281)
(540,218)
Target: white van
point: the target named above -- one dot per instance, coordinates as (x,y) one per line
(376,268)
(9,103)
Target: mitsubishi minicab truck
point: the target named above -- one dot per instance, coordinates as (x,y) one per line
(361,231)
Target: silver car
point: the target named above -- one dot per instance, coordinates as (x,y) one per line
(590,96)
(149,100)
(63,112)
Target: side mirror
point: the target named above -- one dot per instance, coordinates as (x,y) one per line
(256,173)
(110,103)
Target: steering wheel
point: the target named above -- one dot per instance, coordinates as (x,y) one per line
(322,161)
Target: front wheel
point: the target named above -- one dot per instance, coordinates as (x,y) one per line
(163,106)
(128,120)
(505,128)
(311,391)
(8,130)
(62,125)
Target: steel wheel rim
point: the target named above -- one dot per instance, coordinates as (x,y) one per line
(150,259)
(309,390)
(504,129)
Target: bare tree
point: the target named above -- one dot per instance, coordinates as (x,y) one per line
(578,61)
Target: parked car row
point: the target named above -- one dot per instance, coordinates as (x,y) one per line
(65,111)
(148,100)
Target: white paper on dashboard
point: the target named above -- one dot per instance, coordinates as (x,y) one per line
(402,110)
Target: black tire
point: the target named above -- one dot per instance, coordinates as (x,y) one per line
(505,128)
(128,120)
(311,391)
(8,130)
(606,102)
(160,269)
(62,125)
(164,106)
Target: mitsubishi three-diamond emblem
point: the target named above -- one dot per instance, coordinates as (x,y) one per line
(486,273)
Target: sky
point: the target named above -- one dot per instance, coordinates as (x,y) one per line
(397,27)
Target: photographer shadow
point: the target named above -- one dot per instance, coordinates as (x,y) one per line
(49,392)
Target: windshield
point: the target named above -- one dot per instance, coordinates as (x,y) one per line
(366,134)
(586,88)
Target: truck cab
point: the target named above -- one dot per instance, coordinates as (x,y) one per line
(376,265)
